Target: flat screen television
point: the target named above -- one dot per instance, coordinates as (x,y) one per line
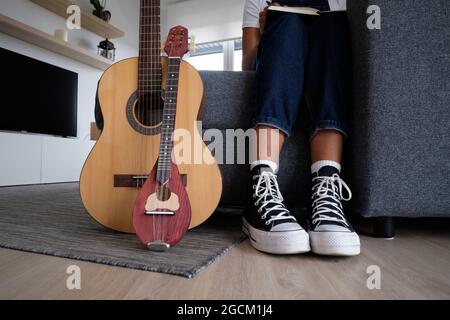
(37,97)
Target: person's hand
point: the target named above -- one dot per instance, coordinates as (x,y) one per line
(263,16)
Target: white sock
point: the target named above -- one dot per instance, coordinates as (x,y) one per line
(316,166)
(271,164)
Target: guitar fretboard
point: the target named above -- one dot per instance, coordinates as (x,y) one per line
(168,123)
(150,47)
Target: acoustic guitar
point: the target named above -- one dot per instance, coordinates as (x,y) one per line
(130,94)
(162,213)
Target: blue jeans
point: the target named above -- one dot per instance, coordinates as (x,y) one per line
(304,59)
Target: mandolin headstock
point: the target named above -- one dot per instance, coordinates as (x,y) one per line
(177,42)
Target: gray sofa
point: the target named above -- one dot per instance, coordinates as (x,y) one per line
(397,161)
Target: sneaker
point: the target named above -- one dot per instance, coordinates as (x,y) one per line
(267,222)
(330,232)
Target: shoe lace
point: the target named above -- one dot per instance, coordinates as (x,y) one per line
(268,193)
(327,196)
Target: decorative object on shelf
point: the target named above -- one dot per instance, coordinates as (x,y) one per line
(47,41)
(100,10)
(88,20)
(62,35)
(107,49)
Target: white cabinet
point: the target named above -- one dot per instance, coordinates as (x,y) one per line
(35,159)
(63,159)
(20,159)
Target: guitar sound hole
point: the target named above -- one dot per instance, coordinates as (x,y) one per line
(148,109)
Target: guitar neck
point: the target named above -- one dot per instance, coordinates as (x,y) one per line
(150,46)
(168,123)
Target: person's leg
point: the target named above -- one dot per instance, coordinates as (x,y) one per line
(279,87)
(328,99)
(269,143)
(327,145)
(279,83)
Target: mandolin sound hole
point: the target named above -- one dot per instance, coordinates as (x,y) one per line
(148,109)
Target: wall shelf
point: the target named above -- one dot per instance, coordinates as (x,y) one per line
(44,40)
(88,20)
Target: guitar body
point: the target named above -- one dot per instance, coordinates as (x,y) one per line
(107,189)
(171,201)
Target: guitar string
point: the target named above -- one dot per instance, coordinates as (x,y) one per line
(153,105)
(142,78)
(155,108)
(148,68)
(149,22)
(153,66)
(140,101)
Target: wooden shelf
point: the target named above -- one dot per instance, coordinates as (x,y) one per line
(88,20)
(44,40)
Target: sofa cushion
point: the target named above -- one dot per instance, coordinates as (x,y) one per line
(400,153)
(229,99)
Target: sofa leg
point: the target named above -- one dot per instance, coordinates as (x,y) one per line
(384,227)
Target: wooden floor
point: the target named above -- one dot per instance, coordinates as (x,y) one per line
(416,265)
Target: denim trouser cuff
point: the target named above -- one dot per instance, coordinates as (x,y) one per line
(274,123)
(327,125)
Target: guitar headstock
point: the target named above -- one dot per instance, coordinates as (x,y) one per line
(177,42)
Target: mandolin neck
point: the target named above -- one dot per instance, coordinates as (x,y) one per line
(150,47)
(168,123)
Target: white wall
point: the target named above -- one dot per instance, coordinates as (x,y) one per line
(28,158)
(208,20)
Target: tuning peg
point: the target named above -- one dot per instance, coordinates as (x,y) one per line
(192,45)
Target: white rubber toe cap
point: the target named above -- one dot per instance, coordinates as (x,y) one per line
(278,242)
(335,243)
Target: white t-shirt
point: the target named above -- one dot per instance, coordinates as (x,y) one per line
(254,7)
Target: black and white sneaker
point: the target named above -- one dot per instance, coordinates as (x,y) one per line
(330,232)
(269,225)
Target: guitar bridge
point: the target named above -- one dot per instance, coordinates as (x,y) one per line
(159,213)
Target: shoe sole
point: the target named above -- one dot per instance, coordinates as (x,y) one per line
(280,242)
(335,243)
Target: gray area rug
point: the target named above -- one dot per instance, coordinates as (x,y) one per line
(51,219)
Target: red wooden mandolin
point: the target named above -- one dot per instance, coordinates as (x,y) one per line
(162,211)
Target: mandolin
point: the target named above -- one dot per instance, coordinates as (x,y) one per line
(131,95)
(162,212)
